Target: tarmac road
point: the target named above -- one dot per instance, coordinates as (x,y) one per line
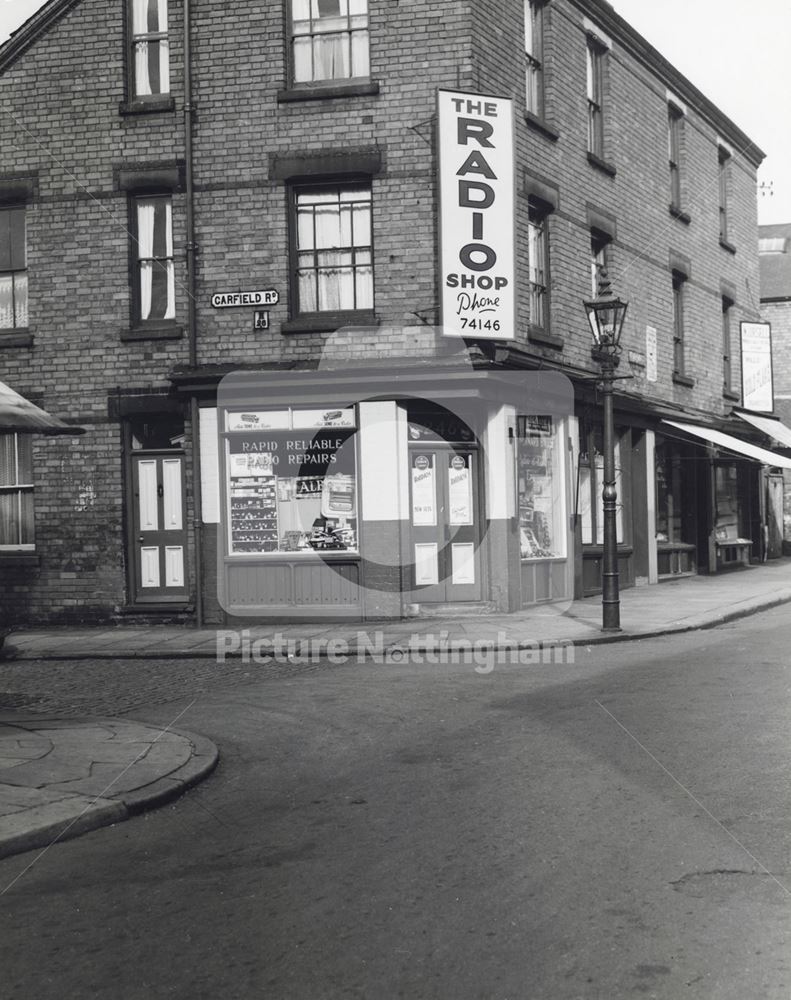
(616,827)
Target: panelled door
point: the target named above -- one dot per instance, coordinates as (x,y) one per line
(159,538)
(445,518)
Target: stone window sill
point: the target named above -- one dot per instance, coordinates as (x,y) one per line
(329,322)
(152,333)
(540,125)
(730,395)
(680,214)
(685,380)
(603,165)
(328,91)
(147,106)
(538,336)
(18,337)
(727,246)
(10,558)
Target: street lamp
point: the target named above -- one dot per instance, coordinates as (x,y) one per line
(606,315)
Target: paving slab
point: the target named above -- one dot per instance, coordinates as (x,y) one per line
(95,772)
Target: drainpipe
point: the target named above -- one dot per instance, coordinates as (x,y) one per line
(192,333)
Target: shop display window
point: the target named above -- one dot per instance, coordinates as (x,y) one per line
(730,520)
(540,487)
(591,482)
(291,480)
(676,507)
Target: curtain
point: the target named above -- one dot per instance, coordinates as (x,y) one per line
(170,308)
(145,251)
(151,55)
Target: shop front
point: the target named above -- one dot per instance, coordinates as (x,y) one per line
(387,506)
(713,500)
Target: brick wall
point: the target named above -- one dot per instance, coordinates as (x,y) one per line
(63,124)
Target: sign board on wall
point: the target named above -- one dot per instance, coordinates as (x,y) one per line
(757,388)
(650,353)
(477,208)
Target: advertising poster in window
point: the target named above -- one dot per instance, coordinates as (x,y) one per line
(424,491)
(460,490)
(757,390)
(477,211)
(291,488)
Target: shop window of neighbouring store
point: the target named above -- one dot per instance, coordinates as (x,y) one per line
(149,70)
(591,482)
(334,249)
(16,493)
(540,487)
(329,40)
(291,481)
(730,506)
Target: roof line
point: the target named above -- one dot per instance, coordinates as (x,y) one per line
(29,31)
(650,57)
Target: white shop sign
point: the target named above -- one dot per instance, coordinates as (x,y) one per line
(757,390)
(477,209)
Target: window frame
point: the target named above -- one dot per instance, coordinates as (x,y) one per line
(596,53)
(679,281)
(133,40)
(589,431)
(135,261)
(328,316)
(13,272)
(675,125)
(723,167)
(325,82)
(538,213)
(20,489)
(600,257)
(534,57)
(727,345)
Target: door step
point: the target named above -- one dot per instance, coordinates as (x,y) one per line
(459,609)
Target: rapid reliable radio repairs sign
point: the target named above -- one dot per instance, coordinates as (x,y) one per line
(476,181)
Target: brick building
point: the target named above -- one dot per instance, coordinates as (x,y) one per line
(774,247)
(291,151)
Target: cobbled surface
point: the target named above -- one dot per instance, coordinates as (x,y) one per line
(114,687)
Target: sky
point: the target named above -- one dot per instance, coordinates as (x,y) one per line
(740,58)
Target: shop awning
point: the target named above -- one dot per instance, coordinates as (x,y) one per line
(20,415)
(770,426)
(734,444)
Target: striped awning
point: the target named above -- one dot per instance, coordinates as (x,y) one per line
(734,444)
(770,426)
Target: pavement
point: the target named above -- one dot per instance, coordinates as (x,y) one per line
(60,777)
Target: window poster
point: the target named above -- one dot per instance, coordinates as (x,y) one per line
(460,490)
(424,491)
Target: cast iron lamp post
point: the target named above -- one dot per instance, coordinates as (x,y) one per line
(606,315)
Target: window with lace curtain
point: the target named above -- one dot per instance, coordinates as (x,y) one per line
(16,492)
(150,50)
(334,251)
(154,292)
(329,40)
